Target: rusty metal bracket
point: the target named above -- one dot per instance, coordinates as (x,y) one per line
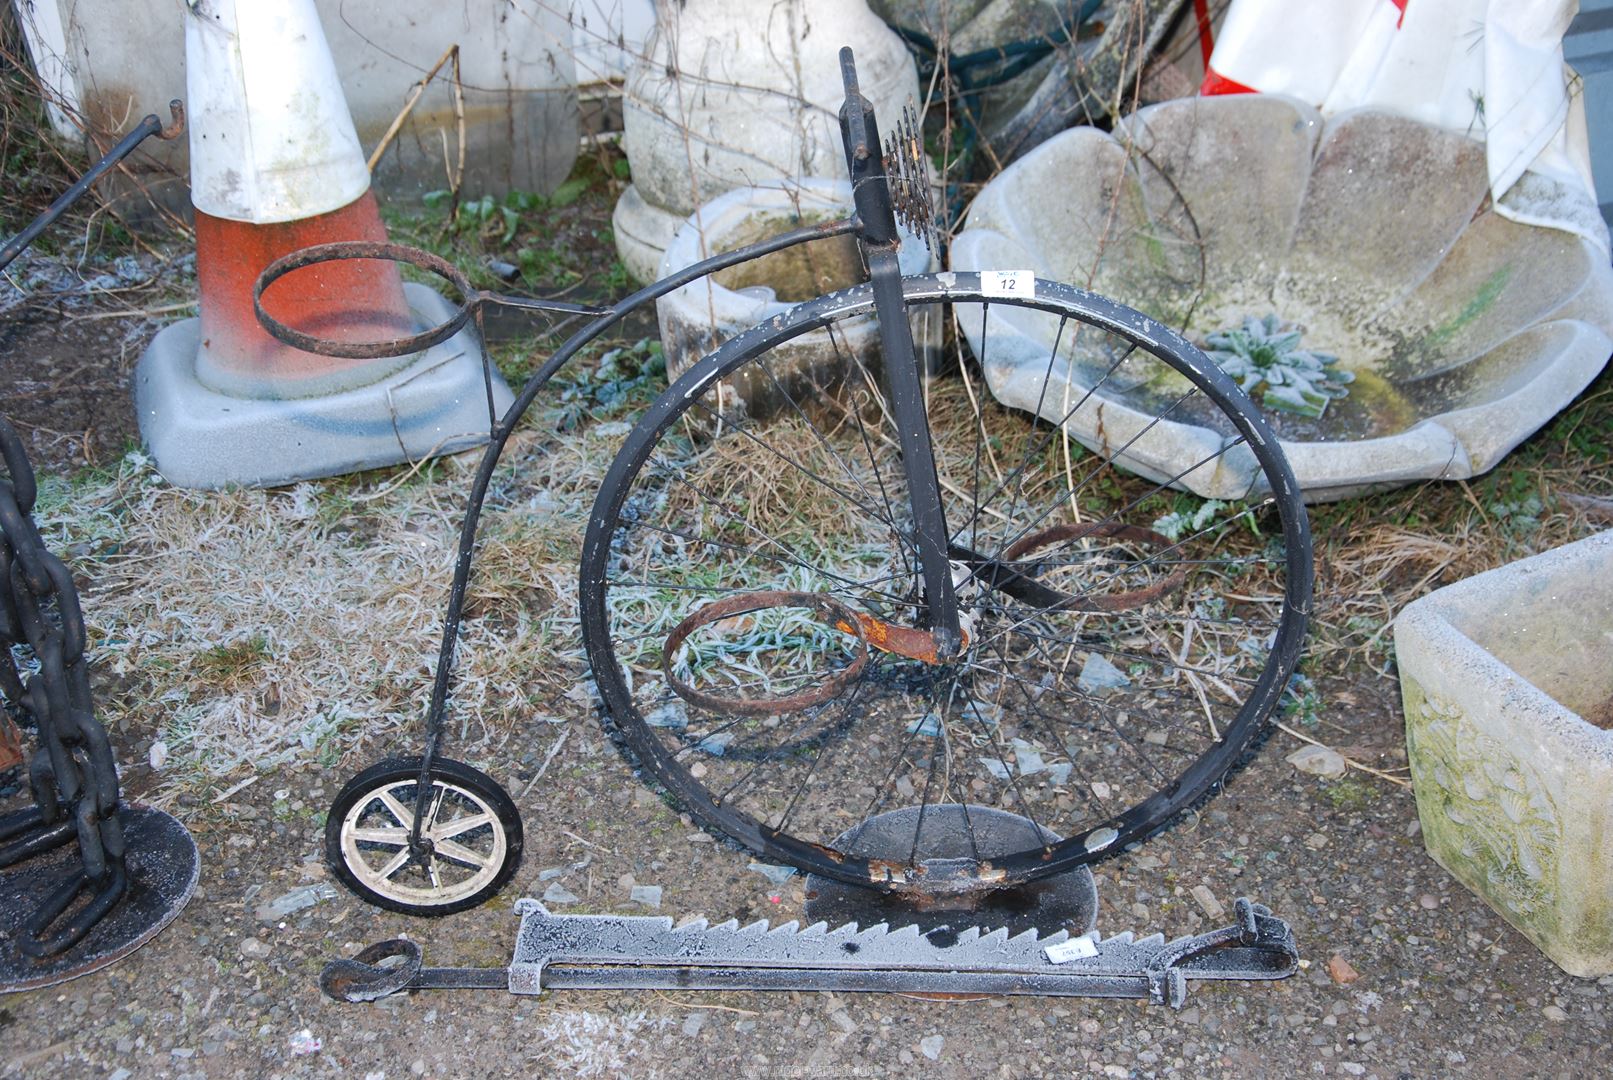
(471,300)
(869,630)
(826,608)
(10,743)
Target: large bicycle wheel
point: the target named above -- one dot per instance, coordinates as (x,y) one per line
(754,617)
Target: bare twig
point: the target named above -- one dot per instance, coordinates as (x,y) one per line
(553,750)
(451,53)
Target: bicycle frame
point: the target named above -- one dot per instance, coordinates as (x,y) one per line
(879,241)
(874,224)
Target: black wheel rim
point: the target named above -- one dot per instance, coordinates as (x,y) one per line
(672,505)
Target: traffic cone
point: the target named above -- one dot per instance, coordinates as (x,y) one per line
(276,166)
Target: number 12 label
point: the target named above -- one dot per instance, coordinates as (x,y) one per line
(1008,283)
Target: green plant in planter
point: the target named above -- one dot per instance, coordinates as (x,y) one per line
(1266,351)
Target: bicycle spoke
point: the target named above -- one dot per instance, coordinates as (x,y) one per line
(1107,672)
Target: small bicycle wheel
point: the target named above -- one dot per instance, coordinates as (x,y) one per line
(756,623)
(471,837)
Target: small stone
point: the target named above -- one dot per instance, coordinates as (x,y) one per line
(254,949)
(648,895)
(692,1026)
(928,725)
(1317,761)
(674,715)
(778,875)
(1554,1014)
(158,757)
(1099,676)
(1428,901)
(996,767)
(930,1046)
(1208,903)
(904,787)
(843,1021)
(120,1073)
(1352,1068)
(559,894)
(1029,761)
(698,770)
(715,745)
(1101,790)
(418,1066)
(1414,827)
(700,838)
(745,1027)
(1316,841)
(1340,971)
(294,901)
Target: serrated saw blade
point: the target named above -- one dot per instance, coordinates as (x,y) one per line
(652,952)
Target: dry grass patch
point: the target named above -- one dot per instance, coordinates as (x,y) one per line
(251,628)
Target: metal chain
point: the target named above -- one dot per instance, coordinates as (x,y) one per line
(44,675)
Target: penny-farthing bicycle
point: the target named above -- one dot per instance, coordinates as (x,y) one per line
(816,593)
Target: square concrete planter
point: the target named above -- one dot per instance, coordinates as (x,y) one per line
(1504,677)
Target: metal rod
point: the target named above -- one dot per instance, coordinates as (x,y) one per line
(151,125)
(506,427)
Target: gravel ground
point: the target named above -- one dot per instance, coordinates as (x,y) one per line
(1442,986)
(1407,974)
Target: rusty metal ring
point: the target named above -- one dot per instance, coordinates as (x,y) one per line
(367,976)
(365,249)
(828,609)
(1120,601)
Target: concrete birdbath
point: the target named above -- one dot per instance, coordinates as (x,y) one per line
(1436,333)
(697,318)
(1507,682)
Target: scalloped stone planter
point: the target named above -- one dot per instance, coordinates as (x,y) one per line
(1502,676)
(698,317)
(1373,232)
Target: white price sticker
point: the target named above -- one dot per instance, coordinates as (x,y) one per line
(1074,949)
(1008,282)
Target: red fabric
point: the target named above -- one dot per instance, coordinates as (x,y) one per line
(1401,4)
(1217,83)
(1201,12)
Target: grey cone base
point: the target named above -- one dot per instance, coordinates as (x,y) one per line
(201,438)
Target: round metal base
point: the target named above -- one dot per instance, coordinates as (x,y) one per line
(1067,901)
(163,868)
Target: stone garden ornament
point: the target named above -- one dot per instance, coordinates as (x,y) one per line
(1422,333)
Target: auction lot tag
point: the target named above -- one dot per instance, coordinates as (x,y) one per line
(1074,949)
(1008,282)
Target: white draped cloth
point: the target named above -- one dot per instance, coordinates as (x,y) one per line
(1492,69)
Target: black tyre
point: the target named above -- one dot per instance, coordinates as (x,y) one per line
(1115,673)
(473,835)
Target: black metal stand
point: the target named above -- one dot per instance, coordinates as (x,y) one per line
(84,878)
(161,868)
(1067,901)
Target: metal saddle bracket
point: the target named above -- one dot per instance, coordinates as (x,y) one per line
(621,952)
